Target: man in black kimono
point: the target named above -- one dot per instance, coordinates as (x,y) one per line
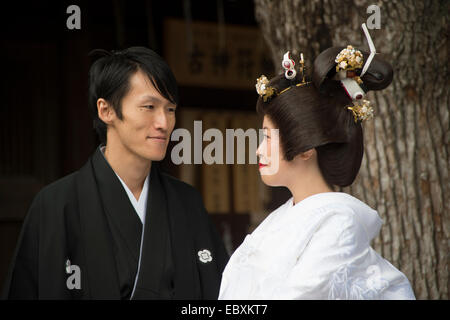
(119,228)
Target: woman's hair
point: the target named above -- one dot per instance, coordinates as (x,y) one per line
(315,115)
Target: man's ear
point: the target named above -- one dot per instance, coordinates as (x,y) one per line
(307,154)
(105,111)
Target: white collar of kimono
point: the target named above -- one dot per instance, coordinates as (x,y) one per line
(289,212)
(139,205)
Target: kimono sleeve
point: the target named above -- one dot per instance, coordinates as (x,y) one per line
(327,267)
(22,279)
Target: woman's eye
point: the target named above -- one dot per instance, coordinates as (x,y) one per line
(148,107)
(172,110)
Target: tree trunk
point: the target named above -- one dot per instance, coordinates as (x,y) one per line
(404,173)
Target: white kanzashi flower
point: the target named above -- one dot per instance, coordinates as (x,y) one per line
(261,83)
(205,256)
(349,59)
(362,110)
(366,111)
(263,89)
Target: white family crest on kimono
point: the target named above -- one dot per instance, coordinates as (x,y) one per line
(204,256)
(317,249)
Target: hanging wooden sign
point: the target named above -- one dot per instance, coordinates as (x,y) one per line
(206,54)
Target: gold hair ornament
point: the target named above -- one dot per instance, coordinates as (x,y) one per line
(266,92)
(361,110)
(347,61)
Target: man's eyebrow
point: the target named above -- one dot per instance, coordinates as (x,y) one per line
(147,98)
(152,99)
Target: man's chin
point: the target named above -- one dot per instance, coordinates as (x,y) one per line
(151,156)
(155,157)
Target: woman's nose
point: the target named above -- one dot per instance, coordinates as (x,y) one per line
(259,151)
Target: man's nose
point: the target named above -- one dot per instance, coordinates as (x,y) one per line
(160,120)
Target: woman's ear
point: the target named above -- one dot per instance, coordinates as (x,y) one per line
(307,154)
(105,111)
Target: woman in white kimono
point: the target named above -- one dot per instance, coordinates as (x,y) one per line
(317,244)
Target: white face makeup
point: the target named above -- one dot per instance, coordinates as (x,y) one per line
(269,153)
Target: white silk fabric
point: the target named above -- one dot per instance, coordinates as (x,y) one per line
(318,249)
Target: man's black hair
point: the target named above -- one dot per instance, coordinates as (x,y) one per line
(109,78)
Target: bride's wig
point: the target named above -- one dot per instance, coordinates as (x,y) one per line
(316,114)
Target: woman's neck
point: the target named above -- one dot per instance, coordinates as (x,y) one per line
(309,184)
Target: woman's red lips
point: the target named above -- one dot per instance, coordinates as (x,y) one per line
(261,165)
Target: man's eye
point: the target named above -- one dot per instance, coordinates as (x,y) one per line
(172,110)
(148,107)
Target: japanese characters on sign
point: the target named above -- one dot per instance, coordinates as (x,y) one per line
(198,57)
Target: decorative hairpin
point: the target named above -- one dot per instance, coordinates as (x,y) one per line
(347,62)
(349,59)
(361,110)
(262,83)
(289,66)
(263,89)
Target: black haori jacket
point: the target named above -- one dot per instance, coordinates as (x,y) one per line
(81,239)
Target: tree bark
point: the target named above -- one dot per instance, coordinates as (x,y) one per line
(404,173)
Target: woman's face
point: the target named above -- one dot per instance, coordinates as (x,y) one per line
(273,168)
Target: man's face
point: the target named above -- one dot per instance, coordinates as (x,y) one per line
(147,120)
